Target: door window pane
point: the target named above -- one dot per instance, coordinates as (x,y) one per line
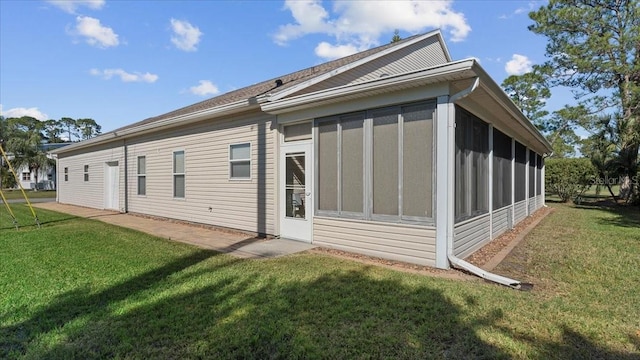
(295,185)
(352,156)
(385,162)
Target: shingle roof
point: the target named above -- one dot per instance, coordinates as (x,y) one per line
(260,88)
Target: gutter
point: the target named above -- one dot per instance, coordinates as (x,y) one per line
(455,261)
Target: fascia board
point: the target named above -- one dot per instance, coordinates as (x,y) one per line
(434,73)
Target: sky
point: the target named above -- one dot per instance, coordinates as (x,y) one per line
(121,61)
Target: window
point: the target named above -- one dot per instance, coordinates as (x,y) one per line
(387,153)
(26,176)
(532,173)
(142,175)
(66,174)
(86,173)
(240,161)
(539,163)
(520,172)
(472,166)
(178,174)
(501,169)
(297,132)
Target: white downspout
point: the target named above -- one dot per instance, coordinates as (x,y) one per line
(455,261)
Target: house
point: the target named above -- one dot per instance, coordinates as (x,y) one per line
(46,176)
(396,152)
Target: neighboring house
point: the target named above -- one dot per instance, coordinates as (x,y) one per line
(396,152)
(46,176)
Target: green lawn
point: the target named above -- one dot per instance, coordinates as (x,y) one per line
(17,194)
(82,289)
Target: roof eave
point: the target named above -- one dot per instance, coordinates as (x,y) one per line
(496,92)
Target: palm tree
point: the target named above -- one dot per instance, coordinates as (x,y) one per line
(26,146)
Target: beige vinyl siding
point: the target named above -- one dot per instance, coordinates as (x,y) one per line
(501,221)
(471,235)
(90,193)
(539,201)
(520,211)
(413,244)
(421,55)
(532,205)
(211,197)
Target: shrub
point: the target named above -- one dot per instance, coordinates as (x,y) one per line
(569,178)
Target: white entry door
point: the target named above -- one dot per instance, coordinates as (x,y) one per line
(296,203)
(112,186)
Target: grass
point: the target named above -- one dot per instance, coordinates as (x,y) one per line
(80,288)
(17,194)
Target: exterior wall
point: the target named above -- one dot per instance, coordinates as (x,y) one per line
(470,235)
(211,197)
(520,211)
(90,193)
(48,183)
(502,221)
(414,244)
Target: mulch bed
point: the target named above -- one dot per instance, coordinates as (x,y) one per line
(491,249)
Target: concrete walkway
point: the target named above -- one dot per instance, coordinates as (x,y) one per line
(235,243)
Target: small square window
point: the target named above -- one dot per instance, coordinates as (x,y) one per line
(240,161)
(66,174)
(26,176)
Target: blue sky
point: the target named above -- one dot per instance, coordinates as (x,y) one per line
(123,61)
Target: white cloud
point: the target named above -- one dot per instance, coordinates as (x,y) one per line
(359,24)
(71,6)
(186,36)
(328,51)
(518,65)
(205,88)
(20,112)
(95,33)
(125,76)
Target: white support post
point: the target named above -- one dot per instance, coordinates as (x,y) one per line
(490,184)
(444,187)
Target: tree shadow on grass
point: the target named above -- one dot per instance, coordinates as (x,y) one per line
(15,339)
(624,215)
(337,315)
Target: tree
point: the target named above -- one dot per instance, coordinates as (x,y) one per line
(52,131)
(530,92)
(70,127)
(26,145)
(88,128)
(569,178)
(594,47)
(396,36)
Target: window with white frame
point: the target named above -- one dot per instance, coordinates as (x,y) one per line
(178,174)
(66,174)
(240,161)
(142,175)
(26,176)
(472,166)
(86,173)
(387,153)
